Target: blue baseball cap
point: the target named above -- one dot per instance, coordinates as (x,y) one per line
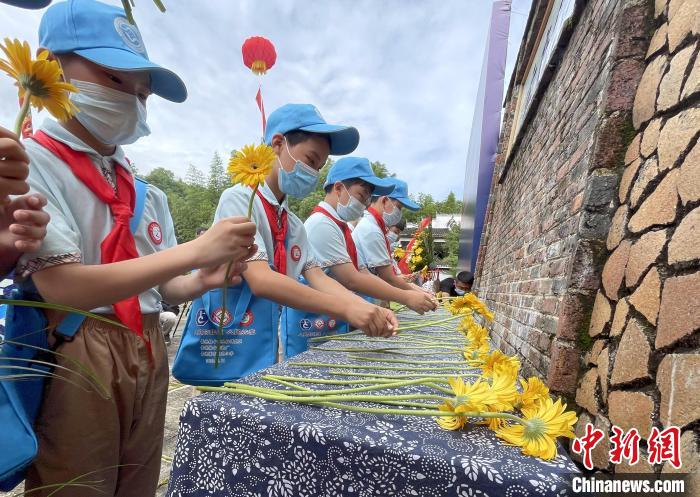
(358,168)
(306,117)
(27,4)
(400,193)
(102,34)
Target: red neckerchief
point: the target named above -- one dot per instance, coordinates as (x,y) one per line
(278,227)
(382,226)
(119,244)
(347,234)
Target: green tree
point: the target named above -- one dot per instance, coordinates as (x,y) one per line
(218,178)
(380,170)
(452,246)
(450,205)
(195,177)
(166,180)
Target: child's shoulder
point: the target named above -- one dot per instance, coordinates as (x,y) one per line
(236,192)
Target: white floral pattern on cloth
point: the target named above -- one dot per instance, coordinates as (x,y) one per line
(230,445)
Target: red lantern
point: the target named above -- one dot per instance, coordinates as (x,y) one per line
(258,54)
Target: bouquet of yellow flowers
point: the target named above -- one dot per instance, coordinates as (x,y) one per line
(421,253)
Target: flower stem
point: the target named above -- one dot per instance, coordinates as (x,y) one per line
(432,323)
(224,290)
(23,112)
(367,366)
(401,361)
(278,397)
(297,395)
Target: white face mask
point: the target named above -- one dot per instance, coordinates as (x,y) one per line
(352,210)
(392,218)
(113,117)
(392,237)
(459,292)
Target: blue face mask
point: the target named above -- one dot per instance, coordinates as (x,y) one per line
(392,218)
(300,181)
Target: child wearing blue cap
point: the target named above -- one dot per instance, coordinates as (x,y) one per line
(302,141)
(371,233)
(100,254)
(349,187)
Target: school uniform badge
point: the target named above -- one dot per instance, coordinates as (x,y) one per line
(247,319)
(296,253)
(216,317)
(155,233)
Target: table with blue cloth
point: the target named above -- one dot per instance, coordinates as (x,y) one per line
(235,445)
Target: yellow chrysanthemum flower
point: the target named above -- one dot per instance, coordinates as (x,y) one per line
(251,164)
(498,362)
(418,250)
(461,305)
(475,353)
(543,424)
(399,253)
(471,301)
(503,393)
(450,422)
(469,397)
(40,79)
(534,393)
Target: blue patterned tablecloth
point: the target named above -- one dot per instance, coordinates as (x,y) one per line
(231,445)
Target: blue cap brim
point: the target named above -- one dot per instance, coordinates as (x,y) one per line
(381,186)
(164,82)
(344,139)
(407,203)
(27,4)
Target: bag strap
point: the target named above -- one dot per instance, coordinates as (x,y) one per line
(69,326)
(141,188)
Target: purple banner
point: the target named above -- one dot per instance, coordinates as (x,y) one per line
(483,140)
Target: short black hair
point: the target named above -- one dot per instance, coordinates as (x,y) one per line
(447,284)
(347,182)
(466,277)
(297,136)
(401,224)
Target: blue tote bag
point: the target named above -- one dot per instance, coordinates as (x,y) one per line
(248,344)
(299,326)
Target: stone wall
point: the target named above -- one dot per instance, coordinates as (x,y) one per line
(552,200)
(643,369)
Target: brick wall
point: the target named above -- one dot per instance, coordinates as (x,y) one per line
(644,366)
(548,218)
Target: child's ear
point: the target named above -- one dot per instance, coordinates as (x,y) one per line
(277,142)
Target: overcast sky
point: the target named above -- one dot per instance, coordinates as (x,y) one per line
(404,72)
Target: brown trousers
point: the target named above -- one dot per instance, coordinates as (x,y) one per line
(103,446)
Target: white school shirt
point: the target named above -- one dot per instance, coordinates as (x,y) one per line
(327,239)
(371,243)
(80,221)
(234,202)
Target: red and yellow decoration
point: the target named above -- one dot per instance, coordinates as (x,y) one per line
(259,54)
